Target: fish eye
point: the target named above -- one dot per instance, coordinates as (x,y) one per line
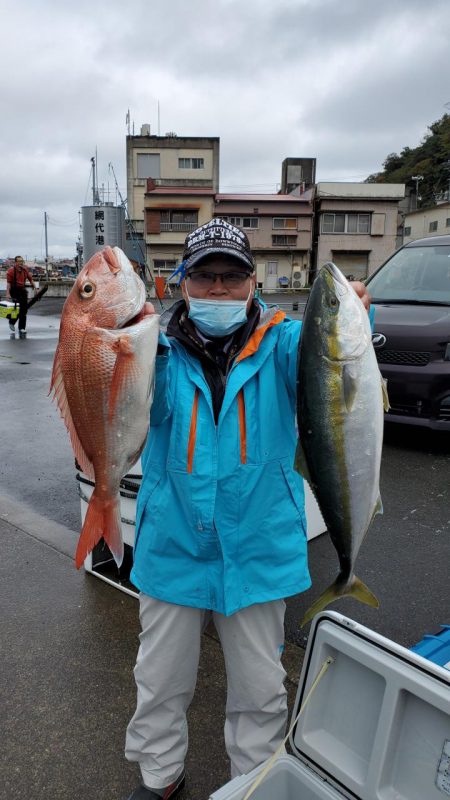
(333,301)
(87,289)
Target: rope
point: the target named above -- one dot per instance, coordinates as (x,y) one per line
(328,661)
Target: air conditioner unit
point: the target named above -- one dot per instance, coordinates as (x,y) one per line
(296,275)
(296,284)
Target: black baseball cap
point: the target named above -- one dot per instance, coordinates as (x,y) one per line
(217,237)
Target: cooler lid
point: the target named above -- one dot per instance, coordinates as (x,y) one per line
(377,725)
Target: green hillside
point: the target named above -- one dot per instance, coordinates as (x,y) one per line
(431,159)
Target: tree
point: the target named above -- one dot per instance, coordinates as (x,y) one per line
(430,159)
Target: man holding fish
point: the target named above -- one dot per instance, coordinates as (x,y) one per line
(220,526)
(220,518)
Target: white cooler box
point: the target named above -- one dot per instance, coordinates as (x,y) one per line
(9,309)
(376,727)
(100,561)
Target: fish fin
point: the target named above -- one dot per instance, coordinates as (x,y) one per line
(102,520)
(300,463)
(386,403)
(128,348)
(378,509)
(350,385)
(356,589)
(125,370)
(59,394)
(112,260)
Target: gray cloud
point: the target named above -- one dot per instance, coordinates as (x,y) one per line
(345,81)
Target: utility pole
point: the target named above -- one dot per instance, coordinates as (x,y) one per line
(95,195)
(417,178)
(447,164)
(46,245)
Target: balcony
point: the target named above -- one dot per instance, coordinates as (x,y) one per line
(178,227)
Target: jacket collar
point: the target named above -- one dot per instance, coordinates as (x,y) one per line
(175,324)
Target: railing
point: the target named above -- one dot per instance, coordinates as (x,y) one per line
(178,227)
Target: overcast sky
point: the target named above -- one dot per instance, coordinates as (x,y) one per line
(345,81)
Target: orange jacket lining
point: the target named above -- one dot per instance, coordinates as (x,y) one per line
(192,433)
(255,340)
(242,426)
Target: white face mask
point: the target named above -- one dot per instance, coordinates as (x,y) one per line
(218,317)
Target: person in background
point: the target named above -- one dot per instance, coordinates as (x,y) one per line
(220,518)
(16,279)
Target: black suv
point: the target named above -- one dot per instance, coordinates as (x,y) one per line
(411,294)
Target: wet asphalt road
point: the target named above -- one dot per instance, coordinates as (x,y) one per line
(404,559)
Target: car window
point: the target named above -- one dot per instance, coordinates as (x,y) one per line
(419,274)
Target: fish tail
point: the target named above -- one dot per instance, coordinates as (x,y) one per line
(102,520)
(354,588)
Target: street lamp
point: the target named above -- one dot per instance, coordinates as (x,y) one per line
(417,178)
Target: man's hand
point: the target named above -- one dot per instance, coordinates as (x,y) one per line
(361,291)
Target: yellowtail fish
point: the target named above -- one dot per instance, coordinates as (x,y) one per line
(340,400)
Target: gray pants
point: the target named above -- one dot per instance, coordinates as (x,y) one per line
(166,673)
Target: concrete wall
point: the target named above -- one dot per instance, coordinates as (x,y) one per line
(419,221)
(361,191)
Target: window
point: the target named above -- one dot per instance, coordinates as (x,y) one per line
(447,222)
(178,221)
(358,223)
(408,231)
(280,239)
(242,222)
(284,222)
(148,165)
(433,226)
(191,163)
(346,223)
(272,267)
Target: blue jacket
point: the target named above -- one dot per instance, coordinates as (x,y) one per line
(220,520)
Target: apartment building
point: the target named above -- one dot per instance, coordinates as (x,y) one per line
(356,225)
(173,187)
(170,161)
(425,222)
(279,228)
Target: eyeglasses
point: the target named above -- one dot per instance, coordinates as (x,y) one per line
(208,279)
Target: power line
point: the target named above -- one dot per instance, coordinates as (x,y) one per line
(62,224)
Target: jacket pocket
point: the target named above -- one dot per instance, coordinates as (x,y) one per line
(145,495)
(295,485)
